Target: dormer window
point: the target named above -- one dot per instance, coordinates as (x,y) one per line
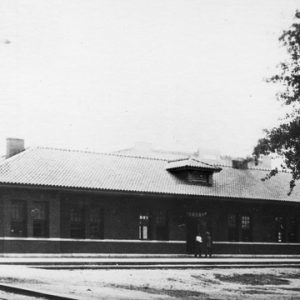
(193,171)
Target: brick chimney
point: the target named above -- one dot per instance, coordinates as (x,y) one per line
(14,146)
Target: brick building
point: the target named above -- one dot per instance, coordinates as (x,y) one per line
(55,200)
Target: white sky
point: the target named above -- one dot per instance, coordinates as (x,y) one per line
(100,75)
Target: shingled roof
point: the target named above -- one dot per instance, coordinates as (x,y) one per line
(47,167)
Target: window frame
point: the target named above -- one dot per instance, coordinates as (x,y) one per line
(161,222)
(40,224)
(241,229)
(95,226)
(246,227)
(77,224)
(144,226)
(233,234)
(196,176)
(85,220)
(292,229)
(18,227)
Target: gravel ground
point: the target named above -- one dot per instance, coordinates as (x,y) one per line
(264,283)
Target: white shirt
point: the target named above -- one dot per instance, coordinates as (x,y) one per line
(199,239)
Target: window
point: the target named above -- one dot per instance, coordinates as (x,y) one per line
(232,227)
(161,225)
(86,221)
(239,227)
(246,228)
(144,225)
(95,223)
(280,229)
(77,224)
(292,235)
(40,219)
(197,176)
(18,220)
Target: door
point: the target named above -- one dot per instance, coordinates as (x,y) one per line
(191,232)
(196,223)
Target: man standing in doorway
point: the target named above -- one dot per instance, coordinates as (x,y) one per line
(198,245)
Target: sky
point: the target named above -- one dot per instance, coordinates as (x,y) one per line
(102,75)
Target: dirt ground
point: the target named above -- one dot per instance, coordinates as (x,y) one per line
(264,283)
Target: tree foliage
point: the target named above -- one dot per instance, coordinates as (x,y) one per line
(284,140)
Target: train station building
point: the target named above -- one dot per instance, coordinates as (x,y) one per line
(66,201)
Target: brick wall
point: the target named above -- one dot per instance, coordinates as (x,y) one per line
(121,220)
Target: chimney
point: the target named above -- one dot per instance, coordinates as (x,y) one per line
(14,146)
(240,164)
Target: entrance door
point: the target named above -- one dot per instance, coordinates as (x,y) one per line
(192,227)
(196,223)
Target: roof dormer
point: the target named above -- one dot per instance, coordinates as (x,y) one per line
(193,171)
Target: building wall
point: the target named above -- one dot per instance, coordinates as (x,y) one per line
(121,214)
(121,223)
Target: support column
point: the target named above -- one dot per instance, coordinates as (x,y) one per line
(54,218)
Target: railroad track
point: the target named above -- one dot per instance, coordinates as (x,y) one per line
(162,266)
(32,293)
(156,264)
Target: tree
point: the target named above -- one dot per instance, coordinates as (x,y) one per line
(284,140)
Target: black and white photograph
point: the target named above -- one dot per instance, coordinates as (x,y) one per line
(149,149)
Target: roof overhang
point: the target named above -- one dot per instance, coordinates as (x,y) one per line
(191,164)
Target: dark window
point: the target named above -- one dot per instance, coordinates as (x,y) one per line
(144,226)
(280,229)
(95,223)
(286,229)
(292,235)
(86,221)
(77,224)
(232,227)
(161,225)
(246,235)
(18,223)
(40,218)
(239,227)
(198,177)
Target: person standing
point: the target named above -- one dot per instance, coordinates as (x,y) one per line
(198,245)
(208,244)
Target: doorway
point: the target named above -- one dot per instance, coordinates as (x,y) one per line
(195,224)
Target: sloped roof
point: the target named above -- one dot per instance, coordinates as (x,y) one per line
(215,160)
(154,153)
(191,162)
(87,170)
